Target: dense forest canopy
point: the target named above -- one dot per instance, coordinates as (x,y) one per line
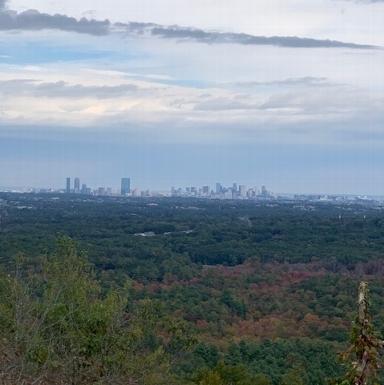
(215,292)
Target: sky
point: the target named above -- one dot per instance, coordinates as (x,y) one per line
(283,93)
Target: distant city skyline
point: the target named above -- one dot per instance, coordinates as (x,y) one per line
(298,170)
(218,189)
(235,192)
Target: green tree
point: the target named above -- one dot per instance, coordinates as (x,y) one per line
(292,377)
(211,377)
(261,379)
(57,326)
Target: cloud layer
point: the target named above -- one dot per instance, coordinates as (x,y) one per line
(61,89)
(35,20)
(298,108)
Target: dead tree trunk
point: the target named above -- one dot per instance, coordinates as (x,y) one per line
(365,345)
(362,363)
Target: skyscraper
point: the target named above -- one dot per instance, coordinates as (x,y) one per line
(264,191)
(84,189)
(68,186)
(125,186)
(243,190)
(77,186)
(234,191)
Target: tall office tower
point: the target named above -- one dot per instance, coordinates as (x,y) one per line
(205,190)
(68,186)
(219,188)
(264,191)
(235,191)
(125,186)
(243,191)
(77,186)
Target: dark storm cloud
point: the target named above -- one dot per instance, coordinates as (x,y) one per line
(35,20)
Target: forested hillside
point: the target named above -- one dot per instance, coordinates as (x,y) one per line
(183,291)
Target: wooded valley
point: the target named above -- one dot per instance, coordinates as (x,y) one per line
(182,291)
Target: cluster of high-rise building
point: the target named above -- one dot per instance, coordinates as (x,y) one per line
(77,188)
(221,192)
(83,189)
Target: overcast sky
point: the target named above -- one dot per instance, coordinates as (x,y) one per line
(287,93)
